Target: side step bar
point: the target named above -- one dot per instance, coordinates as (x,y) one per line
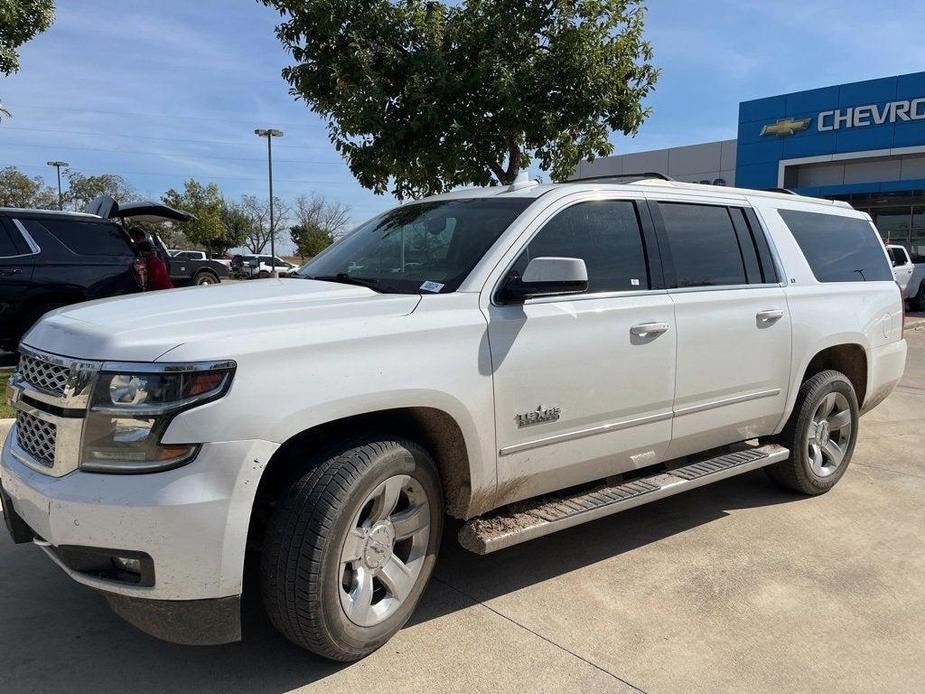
(531,519)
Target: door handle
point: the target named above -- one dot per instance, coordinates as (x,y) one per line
(770,316)
(649,329)
(10,270)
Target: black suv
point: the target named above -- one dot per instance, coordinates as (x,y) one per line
(52,259)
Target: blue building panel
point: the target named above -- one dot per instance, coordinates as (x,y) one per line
(911,134)
(859,117)
(863,139)
(812,101)
(867,92)
(761,109)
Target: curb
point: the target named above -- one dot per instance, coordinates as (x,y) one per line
(5,425)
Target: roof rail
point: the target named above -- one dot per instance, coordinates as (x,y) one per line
(786,191)
(641,175)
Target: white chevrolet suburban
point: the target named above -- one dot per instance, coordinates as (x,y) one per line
(523,358)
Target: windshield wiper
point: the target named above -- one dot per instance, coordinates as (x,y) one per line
(344,278)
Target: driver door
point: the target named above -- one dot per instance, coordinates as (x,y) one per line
(582,389)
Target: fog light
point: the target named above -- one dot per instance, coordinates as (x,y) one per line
(126,564)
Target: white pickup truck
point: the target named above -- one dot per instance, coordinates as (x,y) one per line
(909,275)
(523,358)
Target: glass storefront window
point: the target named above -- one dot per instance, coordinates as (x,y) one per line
(893,223)
(917,239)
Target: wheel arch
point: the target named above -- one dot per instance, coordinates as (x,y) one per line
(850,359)
(433,428)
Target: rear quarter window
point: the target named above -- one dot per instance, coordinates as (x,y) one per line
(837,248)
(84,238)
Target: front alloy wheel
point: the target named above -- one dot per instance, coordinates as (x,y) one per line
(384,551)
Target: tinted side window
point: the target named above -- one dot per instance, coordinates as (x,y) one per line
(84,238)
(605,234)
(898,255)
(703,243)
(838,249)
(7,247)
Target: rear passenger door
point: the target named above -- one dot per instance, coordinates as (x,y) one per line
(733,324)
(80,259)
(17,258)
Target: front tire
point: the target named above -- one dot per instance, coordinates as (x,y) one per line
(821,434)
(351,546)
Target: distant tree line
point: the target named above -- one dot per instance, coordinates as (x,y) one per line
(313,222)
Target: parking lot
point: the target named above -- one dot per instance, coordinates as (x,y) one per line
(733,587)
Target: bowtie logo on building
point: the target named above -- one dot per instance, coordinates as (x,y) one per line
(786,126)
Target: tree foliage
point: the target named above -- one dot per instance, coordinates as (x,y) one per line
(205,201)
(83,189)
(20,21)
(430,95)
(319,222)
(19,190)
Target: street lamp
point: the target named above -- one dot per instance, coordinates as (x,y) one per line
(270,134)
(58,165)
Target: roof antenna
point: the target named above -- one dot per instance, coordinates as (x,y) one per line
(522,181)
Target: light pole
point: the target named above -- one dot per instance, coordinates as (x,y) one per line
(270,134)
(58,165)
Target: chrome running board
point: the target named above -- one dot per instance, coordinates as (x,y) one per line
(531,519)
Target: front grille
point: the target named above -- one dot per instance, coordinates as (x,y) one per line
(36,437)
(44,375)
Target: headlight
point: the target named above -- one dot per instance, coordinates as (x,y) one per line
(131,407)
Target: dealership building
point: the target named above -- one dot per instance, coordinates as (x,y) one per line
(863,142)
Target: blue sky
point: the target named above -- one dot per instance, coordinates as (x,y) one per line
(161,91)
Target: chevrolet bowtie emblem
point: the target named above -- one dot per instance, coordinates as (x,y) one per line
(786,126)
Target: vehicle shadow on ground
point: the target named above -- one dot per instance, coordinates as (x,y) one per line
(57,635)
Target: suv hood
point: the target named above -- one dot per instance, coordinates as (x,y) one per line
(143,327)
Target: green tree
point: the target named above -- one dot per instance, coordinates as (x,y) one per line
(319,222)
(237,226)
(20,21)
(19,190)
(205,201)
(83,189)
(309,241)
(428,95)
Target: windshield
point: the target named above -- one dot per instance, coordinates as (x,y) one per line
(423,247)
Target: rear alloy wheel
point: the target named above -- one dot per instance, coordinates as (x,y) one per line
(820,434)
(350,547)
(829,435)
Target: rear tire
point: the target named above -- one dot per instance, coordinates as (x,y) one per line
(821,434)
(205,278)
(917,302)
(351,546)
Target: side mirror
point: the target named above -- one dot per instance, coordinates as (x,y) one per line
(547,277)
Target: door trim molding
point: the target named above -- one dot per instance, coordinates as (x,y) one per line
(734,400)
(582,433)
(638,421)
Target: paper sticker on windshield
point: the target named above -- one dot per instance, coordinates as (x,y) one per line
(431,286)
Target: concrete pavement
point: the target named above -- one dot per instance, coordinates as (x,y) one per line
(737,586)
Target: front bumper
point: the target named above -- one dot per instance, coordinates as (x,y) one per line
(191,521)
